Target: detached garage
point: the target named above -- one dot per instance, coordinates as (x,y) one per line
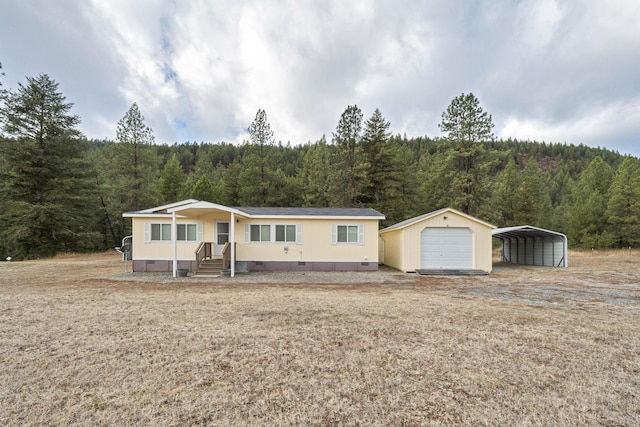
(442,242)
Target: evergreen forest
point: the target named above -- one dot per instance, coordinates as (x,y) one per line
(62,192)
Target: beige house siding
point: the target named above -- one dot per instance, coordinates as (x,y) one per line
(162,250)
(314,247)
(402,245)
(316,242)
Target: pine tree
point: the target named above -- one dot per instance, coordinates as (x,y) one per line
(229,187)
(347,165)
(506,189)
(623,207)
(315,175)
(382,170)
(261,181)
(172,181)
(530,197)
(587,224)
(136,163)
(49,193)
(408,202)
(468,163)
(204,190)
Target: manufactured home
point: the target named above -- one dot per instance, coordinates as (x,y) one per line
(208,238)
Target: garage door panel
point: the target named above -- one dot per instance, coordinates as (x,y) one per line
(446,248)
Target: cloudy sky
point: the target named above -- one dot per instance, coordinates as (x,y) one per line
(546,70)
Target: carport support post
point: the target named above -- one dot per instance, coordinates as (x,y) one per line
(174,238)
(232,237)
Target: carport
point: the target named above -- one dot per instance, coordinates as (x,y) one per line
(527,245)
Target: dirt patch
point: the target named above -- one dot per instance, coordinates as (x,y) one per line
(83,343)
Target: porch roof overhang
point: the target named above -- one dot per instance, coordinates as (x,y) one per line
(200,207)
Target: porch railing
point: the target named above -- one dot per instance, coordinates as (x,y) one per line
(226,256)
(203,252)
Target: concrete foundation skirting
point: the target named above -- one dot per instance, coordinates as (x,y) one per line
(160,266)
(311,266)
(246,266)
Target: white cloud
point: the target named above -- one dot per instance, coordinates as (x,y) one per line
(199,70)
(589,127)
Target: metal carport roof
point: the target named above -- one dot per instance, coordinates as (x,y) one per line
(528,245)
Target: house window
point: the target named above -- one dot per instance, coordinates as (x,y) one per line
(347,234)
(260,232)
(188,232)
(285,233)
(273,233)
(160,232)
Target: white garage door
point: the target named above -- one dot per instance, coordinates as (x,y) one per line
(446,248)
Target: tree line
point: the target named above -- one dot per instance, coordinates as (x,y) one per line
(60,192)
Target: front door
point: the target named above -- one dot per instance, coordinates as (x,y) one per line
(222,237)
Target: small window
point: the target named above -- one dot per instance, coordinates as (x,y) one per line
(160,232)
(222,233)
(347,234)
(285,233)
(260,233)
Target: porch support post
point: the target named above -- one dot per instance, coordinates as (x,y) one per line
(232,238)
(174,241)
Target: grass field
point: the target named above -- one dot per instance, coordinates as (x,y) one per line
(83,344)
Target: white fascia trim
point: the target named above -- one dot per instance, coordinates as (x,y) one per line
(340,218)
(169,206)
(149,215)
(205,205)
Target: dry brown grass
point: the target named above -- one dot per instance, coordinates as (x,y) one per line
(83,344)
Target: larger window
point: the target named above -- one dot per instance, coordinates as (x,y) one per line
(273,233)
(162,232)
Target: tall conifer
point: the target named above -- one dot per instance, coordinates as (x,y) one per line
(49,192)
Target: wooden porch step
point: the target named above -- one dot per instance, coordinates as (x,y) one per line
(209,267)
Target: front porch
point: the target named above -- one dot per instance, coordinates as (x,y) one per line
(214,255)
(209,265)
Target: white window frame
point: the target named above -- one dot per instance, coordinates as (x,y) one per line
(186,227)
(165,228)
(164,231)
(293,239)
(358,241)
(261,227)
(273,233)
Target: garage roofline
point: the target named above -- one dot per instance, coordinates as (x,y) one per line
(411,221)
